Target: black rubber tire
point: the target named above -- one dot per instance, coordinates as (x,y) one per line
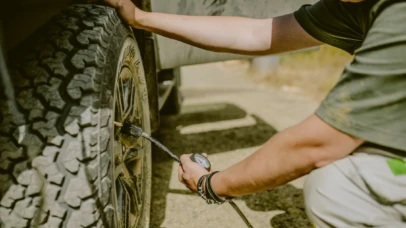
(173,103)
(56,154)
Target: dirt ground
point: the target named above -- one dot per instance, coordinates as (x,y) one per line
(228,116)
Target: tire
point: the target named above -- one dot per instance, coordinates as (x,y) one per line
(63,163)
(173,103)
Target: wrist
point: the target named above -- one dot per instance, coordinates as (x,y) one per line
(219,185)
(140,18)
(129,13)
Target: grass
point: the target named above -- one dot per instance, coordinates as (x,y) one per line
(313,72)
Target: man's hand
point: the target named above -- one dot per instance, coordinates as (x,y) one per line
(126,9)
(190,172)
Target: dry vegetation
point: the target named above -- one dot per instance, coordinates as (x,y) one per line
(313,72)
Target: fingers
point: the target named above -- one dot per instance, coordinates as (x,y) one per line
(180,174)
(185,158)
(190,172)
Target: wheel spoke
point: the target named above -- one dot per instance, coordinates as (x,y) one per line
(132,97)
(123,94)
(126,208)
(136,109)
(119,192)
(119,99)
(127,106)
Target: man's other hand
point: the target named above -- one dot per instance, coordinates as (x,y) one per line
(190,172)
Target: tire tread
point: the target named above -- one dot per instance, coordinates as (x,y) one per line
(48,169)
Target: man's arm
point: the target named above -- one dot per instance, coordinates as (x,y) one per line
(221,34)
(286,156)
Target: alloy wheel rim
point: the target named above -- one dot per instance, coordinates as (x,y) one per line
(128,153)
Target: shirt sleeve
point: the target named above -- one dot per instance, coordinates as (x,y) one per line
(339,24)
(369,100)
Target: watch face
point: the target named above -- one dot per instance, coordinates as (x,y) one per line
(202,160)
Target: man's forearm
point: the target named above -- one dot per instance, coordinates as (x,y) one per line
(222,34)
(285,157)
(273,165)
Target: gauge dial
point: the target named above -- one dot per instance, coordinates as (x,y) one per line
(201,160)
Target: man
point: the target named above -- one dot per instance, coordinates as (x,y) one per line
(354,146)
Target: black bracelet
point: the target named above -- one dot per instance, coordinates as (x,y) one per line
(216,198)
(209,192)
(206,191)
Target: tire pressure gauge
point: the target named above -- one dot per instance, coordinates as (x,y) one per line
(201,160)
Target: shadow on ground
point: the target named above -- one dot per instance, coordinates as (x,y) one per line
(286,198)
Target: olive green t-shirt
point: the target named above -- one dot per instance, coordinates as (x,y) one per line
(369,100)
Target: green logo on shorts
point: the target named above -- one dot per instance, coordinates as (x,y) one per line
(398,166)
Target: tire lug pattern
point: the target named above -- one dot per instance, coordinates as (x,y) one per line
(19,168)
(11,197)
(9,152)
(77,190)
(83,83)
(31,142)
(85,216)
(57,141)
(47,128)
(56,64)
(32,180)
(60,38)
(9,121)
(51,95)
(29,102)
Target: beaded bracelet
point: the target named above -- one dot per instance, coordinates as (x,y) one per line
(201,190)
(206,191)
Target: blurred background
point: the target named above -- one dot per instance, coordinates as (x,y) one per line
(313,72)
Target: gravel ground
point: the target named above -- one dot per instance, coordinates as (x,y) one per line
(228,117)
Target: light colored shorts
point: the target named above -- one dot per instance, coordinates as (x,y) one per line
(359,190)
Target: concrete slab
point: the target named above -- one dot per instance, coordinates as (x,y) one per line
(189,211)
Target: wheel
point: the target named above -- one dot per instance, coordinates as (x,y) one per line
(173,103)
(63,162)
